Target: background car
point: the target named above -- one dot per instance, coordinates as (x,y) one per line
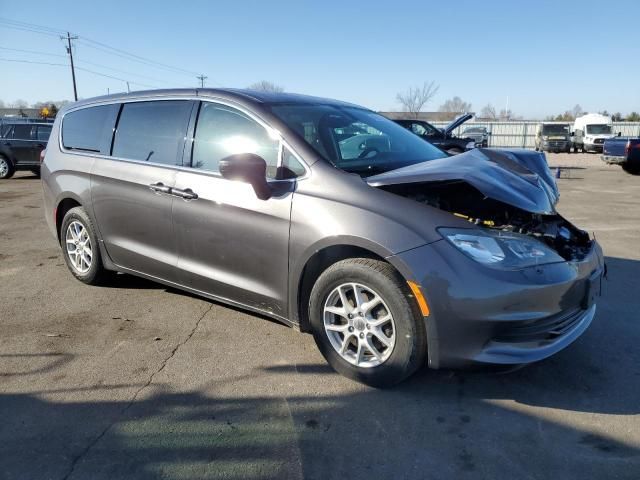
(623,151)
(21,145)
(480,135)
(441,138)
(553,137)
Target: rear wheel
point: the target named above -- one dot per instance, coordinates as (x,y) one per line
(365,323)
(80,247)
(6,167)
(632,168)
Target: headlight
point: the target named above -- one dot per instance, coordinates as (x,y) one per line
(545,137)
(502,250)
(471,145)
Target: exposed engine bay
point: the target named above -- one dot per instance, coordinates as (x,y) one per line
(465,201)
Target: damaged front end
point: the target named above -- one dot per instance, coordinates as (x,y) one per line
(499,191)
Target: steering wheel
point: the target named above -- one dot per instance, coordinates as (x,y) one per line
(367,151)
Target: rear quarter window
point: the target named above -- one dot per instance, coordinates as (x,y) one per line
(89,129)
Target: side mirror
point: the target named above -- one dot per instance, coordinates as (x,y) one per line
(249,168)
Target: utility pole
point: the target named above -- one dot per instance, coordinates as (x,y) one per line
(202,78)
(73,71)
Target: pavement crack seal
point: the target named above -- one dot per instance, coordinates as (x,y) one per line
(88,448)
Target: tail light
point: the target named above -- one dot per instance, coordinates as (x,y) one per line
(42,154)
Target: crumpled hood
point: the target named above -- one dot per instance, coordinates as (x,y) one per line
(520,178)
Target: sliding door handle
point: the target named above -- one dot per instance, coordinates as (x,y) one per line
(187,193)
(160,188)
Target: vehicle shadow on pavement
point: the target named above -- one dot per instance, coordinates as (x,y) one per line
(572,416)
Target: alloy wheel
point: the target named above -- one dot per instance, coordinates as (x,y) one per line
(4,167)
(79,249)
(359,325)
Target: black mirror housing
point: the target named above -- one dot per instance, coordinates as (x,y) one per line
(249,168)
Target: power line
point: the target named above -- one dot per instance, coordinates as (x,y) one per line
(103,47)
(34,52)
(135,57)
(77,68)
(79,60)
(94,44)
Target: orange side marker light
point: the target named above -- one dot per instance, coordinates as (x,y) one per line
(417,292)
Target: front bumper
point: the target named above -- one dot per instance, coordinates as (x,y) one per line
(616,160)
(593,147)
(480,315)
(556,146)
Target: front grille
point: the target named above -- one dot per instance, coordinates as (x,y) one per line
(599,140)
(545,329)
(557,144)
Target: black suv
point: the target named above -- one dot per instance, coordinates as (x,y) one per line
(20,147)
(441,138)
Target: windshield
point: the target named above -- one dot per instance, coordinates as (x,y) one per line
(555,129)
(598,129)
(356,140)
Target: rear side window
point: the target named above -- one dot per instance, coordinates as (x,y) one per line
(43,133)
(22,132)
(153,131)
(222,131)
(89,129)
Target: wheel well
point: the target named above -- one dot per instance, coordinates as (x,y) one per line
(317,264)
(63,207)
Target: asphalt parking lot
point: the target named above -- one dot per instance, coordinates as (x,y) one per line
(134,380)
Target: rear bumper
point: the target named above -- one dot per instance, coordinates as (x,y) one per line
(613,159)
(480,315)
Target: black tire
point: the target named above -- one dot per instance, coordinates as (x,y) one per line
(7,169)
(537,149)
(410,349)
(631,168)
(96,272)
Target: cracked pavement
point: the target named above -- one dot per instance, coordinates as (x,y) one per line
(134,380)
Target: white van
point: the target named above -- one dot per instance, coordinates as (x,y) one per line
(590,131)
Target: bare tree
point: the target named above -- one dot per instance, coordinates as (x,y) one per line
(414,99)
(489,111)
(266,86)
(455,105)
(18,104)
(576,111)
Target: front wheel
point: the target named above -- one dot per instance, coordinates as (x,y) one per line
(80,247)
(6,168)
(366,324)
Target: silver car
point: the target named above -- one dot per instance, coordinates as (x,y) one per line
(327,217)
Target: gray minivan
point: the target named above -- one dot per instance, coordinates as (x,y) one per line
(327,217)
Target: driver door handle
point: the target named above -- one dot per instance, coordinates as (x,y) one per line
(187,193)
(160,188)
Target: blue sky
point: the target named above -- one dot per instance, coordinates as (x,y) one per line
(544,56)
